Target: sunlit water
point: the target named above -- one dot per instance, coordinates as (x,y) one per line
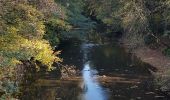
(91,87)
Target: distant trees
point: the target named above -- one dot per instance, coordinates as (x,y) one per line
(135,18)
(80,23)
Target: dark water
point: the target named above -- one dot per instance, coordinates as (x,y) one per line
(108,73)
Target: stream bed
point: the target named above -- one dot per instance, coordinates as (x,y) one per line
(107,72)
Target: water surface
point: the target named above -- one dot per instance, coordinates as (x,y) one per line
(107,73)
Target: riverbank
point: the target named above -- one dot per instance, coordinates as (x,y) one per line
(155,58)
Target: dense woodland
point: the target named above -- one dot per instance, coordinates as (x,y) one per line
(30,30)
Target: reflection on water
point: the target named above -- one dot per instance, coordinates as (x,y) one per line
(108,73)
(91,87)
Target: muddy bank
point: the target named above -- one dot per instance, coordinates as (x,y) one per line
(159,61)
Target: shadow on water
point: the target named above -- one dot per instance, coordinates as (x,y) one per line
(108,73)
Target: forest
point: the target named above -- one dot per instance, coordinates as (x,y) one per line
(131,37)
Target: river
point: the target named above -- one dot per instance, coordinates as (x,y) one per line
(108,72)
